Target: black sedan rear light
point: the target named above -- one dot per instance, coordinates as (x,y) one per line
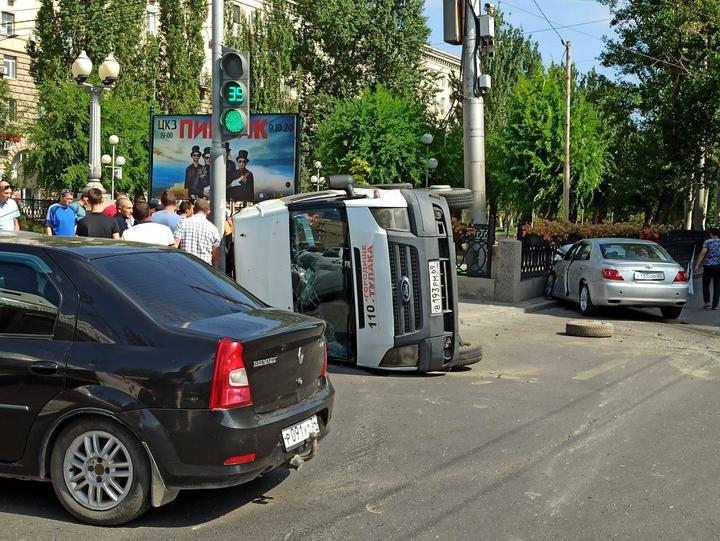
(230,386)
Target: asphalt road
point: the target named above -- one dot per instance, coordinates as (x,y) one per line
(550,437)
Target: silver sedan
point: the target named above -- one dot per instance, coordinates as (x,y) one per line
(619,272)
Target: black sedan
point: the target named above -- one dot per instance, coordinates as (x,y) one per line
(129,372)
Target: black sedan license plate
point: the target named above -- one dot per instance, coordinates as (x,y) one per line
(297,434)
(641,275)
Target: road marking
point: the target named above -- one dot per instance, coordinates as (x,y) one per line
(589,374)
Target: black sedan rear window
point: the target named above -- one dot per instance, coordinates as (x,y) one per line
(633,252)
(174,288)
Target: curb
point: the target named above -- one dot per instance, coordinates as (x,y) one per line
(540,305)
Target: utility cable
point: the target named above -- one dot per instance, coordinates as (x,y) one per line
(548,21)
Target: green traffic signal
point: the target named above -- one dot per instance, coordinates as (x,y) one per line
(232,120)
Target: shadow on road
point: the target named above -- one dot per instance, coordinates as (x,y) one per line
(191,508)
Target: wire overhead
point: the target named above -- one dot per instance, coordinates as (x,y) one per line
(549,22)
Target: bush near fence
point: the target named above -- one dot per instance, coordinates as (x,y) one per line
(566,233)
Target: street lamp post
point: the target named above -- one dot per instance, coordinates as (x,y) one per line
(108,72)
(114,164)
(427,140)
(318,165)
(430,165)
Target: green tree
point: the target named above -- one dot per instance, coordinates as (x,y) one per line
(157,74)
(528,152)
(378,128)
(270,38)
(670,53)
(181,54)
(345,46)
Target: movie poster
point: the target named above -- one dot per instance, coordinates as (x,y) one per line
(258,167)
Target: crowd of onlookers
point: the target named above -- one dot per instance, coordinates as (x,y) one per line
(164,222)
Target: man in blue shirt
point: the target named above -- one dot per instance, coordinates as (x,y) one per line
(168,215)
(60,218)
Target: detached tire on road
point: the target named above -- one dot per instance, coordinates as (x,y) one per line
(589,329)
(457,198)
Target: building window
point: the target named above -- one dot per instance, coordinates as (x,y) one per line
(12,109)
(236,14)
(10,64)
(151,22)
(11,3)
(7,23)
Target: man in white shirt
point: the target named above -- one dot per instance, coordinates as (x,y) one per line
(197,235)
(145,230)
(9,212)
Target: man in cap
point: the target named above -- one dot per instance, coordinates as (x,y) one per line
(197,235)
(192,174)
(60,219)
(9,211)
(242,187)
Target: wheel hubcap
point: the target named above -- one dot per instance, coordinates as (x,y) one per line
(583,299)
(98,470)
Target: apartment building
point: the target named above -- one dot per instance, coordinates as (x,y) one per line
(17,24)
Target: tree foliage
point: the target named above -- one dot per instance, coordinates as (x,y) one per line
(156,74)
(381,129)
(345,46)
(670,53)
(529,150)
(181,54)
(269,36)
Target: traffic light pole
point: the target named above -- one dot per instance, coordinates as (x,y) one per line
(217,153)
(473,117)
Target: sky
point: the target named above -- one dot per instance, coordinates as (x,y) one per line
(592,18)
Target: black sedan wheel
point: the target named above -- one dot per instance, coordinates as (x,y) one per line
(100,472)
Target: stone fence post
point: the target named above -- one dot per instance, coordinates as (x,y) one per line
(508,271)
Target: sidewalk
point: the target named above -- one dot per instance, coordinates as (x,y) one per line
(695,314)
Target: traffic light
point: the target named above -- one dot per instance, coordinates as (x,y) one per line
(234,93)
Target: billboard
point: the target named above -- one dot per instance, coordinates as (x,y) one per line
(261,166)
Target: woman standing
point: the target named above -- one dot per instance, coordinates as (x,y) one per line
(710,261)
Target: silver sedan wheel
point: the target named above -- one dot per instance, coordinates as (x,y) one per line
(584,297)
(98,470)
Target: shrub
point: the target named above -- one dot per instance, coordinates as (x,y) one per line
(561,232)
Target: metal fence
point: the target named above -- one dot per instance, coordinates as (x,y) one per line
(536,256)
(538,253)
(35,209)
(474,250)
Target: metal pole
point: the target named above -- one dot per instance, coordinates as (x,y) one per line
(94,167)
(566,176)
(112,190)
(473,118)
(217,152)
(427,174)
